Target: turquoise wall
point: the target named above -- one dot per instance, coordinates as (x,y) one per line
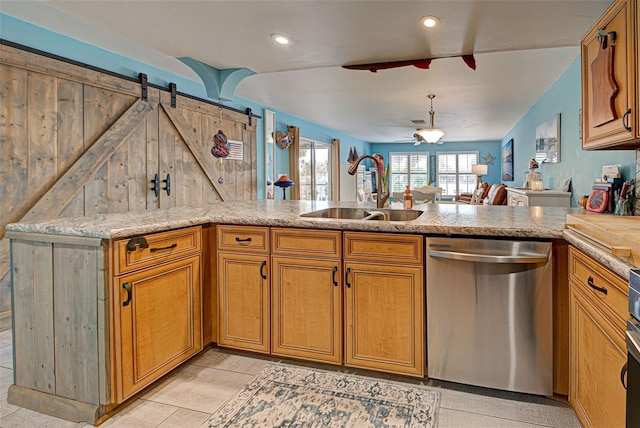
(582,167)
(483,147)
(563,97)
(35,37)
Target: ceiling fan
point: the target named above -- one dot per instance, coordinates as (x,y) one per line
(431,134)
(416,139)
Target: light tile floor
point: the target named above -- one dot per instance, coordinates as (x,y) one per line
(189,396)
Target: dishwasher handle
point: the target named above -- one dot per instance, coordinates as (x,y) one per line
(488,258)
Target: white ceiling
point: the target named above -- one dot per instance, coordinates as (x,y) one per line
(521,47)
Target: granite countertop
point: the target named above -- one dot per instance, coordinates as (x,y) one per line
(437,219)
(441,219)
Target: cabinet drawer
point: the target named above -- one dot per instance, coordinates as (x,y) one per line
(159,247)
(243,238)
(305,242)
(383,247)
(516,200)
(587,274)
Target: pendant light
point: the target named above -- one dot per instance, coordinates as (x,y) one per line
(431,135)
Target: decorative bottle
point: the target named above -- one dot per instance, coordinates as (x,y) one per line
(408,199)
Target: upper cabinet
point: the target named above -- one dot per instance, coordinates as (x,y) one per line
(610,82)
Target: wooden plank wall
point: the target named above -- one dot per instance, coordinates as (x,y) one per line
(51,112)
(61,300)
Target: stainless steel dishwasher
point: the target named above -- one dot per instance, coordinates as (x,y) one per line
(489,313)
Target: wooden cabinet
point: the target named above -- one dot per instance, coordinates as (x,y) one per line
(157,311)
(543,198)
(96,320)
(610,80)
(597,346)
(384,302)
(243,288)
(307,294)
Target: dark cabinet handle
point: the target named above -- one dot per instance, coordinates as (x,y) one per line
(137,241)
(346,278)
(595,287)
(127,287)
(243,239)
(333,276)
(174,245)
(623,373)
(262,275)
(167,183)
(156,185)
(625,120)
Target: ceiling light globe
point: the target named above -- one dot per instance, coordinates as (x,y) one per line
(430,21)
(281,39)
(431,136)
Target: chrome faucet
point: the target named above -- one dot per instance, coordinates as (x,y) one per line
(382,197)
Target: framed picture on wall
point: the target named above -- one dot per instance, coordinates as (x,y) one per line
(507,160)
(548,141)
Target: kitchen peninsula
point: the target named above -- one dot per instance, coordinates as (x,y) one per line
(78,284)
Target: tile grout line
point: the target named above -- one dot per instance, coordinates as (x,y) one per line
(500,417)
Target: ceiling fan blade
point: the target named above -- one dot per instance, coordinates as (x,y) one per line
(419,63)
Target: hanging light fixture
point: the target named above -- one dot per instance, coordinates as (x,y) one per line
(431,135)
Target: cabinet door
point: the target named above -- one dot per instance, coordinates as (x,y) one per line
(307,309)
(602,118)
(243,294)
(597,354)
(384,317)
(517,200)
(158,318)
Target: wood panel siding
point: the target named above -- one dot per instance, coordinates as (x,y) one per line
(77,141)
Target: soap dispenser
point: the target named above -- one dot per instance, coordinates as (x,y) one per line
(408,198)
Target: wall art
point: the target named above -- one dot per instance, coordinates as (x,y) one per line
(507,160)
(548,141)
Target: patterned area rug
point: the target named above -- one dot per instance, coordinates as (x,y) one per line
(289,396)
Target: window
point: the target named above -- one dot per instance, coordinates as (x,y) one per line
(454,172)
(315,171)
(408,168)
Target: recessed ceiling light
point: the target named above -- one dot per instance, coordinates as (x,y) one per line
(281,39)
(430,21)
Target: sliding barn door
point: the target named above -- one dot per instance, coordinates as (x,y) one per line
(77,142)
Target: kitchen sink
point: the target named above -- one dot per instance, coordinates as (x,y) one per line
(340,213)
(362,214)
(394,215)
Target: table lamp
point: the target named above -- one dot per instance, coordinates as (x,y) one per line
(479,170)
(283,181)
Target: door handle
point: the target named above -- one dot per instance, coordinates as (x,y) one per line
(156,185)
(333,276)
(243,239)
(485,258)
(168,247)
(625,121)
(623,373)
(262,275)
(139,242)
(346,278)
(127,287)
(167,182)
(595,287)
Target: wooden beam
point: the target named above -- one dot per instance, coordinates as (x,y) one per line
(335,169)
(294,163)
(61,193)
(196,148)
